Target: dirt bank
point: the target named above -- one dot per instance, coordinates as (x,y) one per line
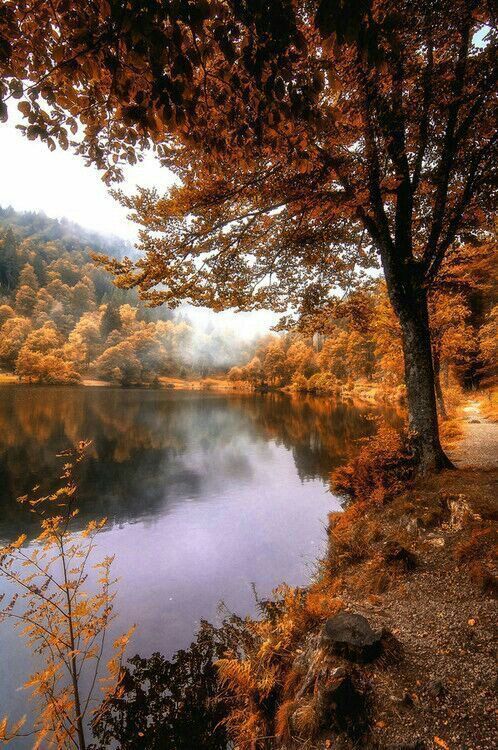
(479,446)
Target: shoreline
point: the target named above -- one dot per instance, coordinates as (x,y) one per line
(411,570)
(8,379)
(367,393)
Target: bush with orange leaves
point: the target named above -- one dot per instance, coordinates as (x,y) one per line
(60,620)
(382,468)
(260,679)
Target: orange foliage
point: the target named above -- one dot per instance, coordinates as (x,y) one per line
(58,618)
(383,466)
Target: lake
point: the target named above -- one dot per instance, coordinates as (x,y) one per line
(206,495)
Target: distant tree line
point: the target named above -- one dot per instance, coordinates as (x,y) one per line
(359,338)
(61,317)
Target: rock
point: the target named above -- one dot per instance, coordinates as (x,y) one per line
(394,552)
(437,689)
(436,541)
(350,635)
(337,675)
(414,525)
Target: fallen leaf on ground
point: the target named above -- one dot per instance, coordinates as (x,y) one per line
(441,743)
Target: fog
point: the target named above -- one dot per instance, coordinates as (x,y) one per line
(243,326)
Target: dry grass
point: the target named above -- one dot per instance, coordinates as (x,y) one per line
(352,536)
(199,384)
(477,545)
(297,720)
(181,384)
(451,432)
(383,467)
(373,392)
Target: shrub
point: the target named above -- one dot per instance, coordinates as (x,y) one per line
(235,375)
(322,382)
(62,623)
(352,535)
(383,467)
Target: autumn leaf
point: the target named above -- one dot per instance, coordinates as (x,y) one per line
(441,743)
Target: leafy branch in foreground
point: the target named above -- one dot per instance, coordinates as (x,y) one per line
(58,618)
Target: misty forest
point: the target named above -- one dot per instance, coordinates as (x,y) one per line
(248,374)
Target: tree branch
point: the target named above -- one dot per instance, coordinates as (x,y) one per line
(449,148)
(424,120)
(458,211)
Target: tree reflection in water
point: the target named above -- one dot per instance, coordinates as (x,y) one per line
(150,449)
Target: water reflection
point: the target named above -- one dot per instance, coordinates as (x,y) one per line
(205,493)
(152,449)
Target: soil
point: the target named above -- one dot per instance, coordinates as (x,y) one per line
(479,446)
(441,690)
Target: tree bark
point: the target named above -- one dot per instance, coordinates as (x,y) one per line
(409,299)
(436,358)
(420,381)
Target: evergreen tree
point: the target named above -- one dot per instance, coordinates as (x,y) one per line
(111,320)
(10,264)
(28,277)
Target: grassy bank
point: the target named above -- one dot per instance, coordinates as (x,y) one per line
(184,384)
(199,384)
(360,391)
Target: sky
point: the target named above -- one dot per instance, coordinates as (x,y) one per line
(59,184)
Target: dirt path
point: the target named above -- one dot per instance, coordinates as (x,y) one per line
(479,446)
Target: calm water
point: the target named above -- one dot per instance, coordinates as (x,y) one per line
(205,495)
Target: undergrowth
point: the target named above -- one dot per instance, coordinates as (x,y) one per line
(383,467)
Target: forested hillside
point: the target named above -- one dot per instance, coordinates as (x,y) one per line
(62,318)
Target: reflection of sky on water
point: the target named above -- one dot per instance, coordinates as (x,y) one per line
(151,449)
(205,494)
(179,566)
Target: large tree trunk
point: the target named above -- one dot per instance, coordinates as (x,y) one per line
(409,299)
(420,384)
